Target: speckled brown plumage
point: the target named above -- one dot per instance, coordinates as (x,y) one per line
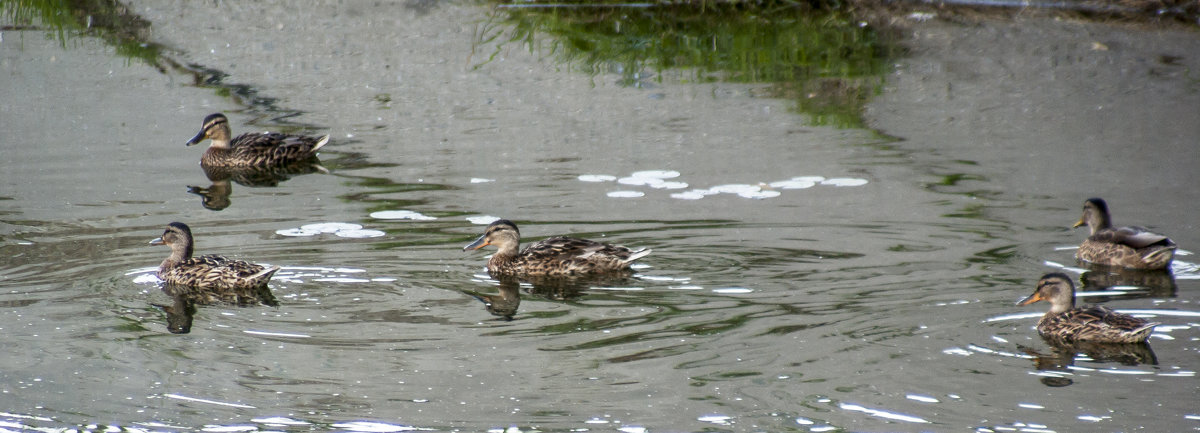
(210,278)
(1128,247)
(556,256)
(255,149)
(1094,323)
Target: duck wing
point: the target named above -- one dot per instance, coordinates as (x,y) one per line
(1133,236)
(1097,323)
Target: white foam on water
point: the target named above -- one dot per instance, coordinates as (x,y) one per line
(483,219)
(640,181)
(734,188)
(844,181)
(669,185)
(359,234)
(297,232)
(657,174)
(759,194)
(792,184)
(401,215)
(695,194)
(481,180)
(626,194)
(330,227)
(597,178)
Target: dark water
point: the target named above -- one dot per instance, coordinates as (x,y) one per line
(876,298)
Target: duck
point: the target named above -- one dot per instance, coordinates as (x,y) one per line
(1127,247)
(1066,323)
(211,278)
(253,149)
(558,256)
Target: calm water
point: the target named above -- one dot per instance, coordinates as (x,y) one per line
(870,289)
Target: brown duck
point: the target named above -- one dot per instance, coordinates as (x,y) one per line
(1128,247)
(211,278)
(253,149)
(557,256)
(1094,323)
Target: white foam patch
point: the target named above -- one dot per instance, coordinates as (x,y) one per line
(695,194)
(813,179)
(146,279)
(734,188)
(597,178)
(844,181)
(483,219)
(296,232)
(401,215)
(670,185)
(359,233)
(657,174)
(481,180)
(759,194)
(330,227)
(626,194)
(640,181)
(792,184)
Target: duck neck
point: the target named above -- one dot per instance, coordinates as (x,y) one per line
(178,255)
(502,257)
(221,143)
(1061,306)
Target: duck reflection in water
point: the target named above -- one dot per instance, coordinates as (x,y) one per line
(216,195)
(1153,283)
(180,313)
(1063,355)
(504,304)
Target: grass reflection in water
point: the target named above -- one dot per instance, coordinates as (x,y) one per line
(828,62)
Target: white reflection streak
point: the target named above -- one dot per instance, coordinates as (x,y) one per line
(201,400)
(882,414)
(276,334)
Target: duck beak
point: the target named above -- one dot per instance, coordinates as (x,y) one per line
(198,138)
(157,241)
(1037,296)
(1079,223)
(479,242)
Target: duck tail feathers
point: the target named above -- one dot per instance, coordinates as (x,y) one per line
(320,142)
(637,255)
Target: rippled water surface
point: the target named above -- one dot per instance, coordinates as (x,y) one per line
(804,278)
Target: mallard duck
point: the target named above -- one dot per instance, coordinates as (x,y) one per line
(253,149)
(557,256)
(1128,247)
(211,278)
(1094,323)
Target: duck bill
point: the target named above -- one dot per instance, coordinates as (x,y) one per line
(1031,299)
(157,241)
(479,242)
(1079,223)
(197,139)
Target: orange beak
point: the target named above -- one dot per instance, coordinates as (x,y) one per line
(1036,296)
(479,242)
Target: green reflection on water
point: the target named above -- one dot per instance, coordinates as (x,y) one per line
(826,61)
(107,19)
